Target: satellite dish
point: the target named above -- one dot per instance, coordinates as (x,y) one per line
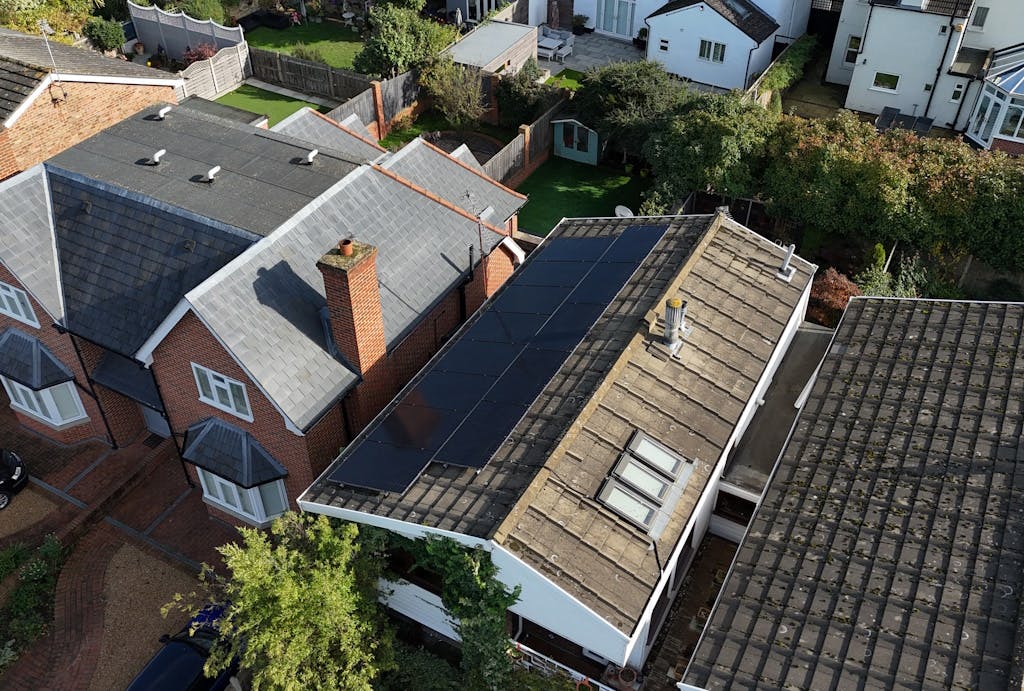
(623,211)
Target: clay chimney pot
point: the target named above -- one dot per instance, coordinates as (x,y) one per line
(345,247)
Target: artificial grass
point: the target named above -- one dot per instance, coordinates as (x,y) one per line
(566,79)
(432,121)
(275,106)
(565,189)
(338,44)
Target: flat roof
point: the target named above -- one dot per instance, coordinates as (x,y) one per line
(888,551)
(487,42)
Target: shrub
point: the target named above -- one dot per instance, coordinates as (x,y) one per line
(419,669)
(204,51)
(105,34)
(455,90)
(311,53)
(203,9)
(11,558)
(790,67)
(830,293)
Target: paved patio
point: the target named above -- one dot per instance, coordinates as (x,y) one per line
(594,50)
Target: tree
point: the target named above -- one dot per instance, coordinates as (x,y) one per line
(624,101)
(104,34)
(520,97)
(455,90)
(710,142)
(301,606)
(401,40)
(830,293)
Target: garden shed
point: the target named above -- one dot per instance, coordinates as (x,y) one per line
(575,141)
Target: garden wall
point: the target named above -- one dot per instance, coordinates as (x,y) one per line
(306,76)
(218,75)
(518,12)
(176,32)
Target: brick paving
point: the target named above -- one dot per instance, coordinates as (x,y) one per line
(105,497)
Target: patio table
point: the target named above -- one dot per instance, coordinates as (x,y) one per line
(549,43)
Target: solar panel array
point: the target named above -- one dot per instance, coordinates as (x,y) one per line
(471,398)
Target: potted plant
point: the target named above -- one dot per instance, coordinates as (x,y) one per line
(579,24)
(640,40)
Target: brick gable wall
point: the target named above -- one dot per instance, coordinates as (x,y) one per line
(49,126)
(63,348)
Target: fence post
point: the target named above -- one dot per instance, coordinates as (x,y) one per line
(525,131)
(213,76)
(378,109)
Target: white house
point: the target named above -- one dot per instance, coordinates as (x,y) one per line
(949,60)
(578,427)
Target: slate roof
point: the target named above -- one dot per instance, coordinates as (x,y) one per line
(269,301)
(125,376)
(26,360)
(536,495)
(462,153)
(261,184)
(888,551)
(959,8)
(26,237)
(126,260)
(231,453)
(25,61)
(452,180)
(320,131)
(743,14)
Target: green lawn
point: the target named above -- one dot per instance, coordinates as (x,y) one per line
(562,188)
(338,44)
(432,121)
(275,106)
(566,79)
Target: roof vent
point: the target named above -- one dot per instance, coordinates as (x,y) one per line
(155,160)
(787,270)
(162,113)
(676,328)
(310,156)
(210,175)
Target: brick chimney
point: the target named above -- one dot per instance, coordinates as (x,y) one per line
(353,300)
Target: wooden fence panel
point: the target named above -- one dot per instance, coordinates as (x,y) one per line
(362,106)
(507,162)
(306,76)
(399,93)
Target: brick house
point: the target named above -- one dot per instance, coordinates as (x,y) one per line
(203,295)
(49,103)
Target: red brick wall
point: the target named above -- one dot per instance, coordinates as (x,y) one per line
(46,128)
(8,163)
(62,347)
(1006,146)
(190,341)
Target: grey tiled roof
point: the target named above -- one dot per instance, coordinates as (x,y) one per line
(610,386)
(743,14)
(356,125)
(26,237)
(436,171)
(320,131)
(231,453)
(888,551)
(126,260)
(270,301)
(17,82)
(261,184)
(466,156)
(25,359)
(125,376)
(959,8)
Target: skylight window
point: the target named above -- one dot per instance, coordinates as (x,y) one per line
(646,483)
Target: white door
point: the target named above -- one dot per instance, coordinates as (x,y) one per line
(155,422)
(616,17)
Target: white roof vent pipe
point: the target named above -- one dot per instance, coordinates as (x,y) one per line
(787,270)
(676,328)
(162,113)
(310,156)
(155,160)
(211,174)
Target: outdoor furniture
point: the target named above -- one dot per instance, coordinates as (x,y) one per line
(885,119)
(891,118)
(545,53)
(562,53)
(348,16)
(549,43)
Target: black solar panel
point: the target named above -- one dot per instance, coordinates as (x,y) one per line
(464,408)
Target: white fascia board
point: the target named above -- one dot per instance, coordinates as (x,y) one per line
(20,110)
(145,352)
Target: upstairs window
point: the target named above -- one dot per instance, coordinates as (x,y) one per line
(979,18)
(712,51)
(221,392)
(958,93)
(14,303)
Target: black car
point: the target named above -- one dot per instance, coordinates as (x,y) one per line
(13,476)
(179,663)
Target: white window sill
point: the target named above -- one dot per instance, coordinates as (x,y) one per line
(18,317)
(256,523)
(232,411)
(58,426)
(882,90)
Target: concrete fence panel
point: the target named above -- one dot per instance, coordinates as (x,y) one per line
(218,75)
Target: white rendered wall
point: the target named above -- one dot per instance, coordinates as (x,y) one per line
(759,60)
(1004,26)
(904,43)
(851,23)
(790,15)
(684,29)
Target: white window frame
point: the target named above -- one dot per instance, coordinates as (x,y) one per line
(715,51)
(219,383)
(246,504)
(958,93)
(14,303)
(973,25)
(663,45)
(40,405)
(849,49)
(895,90)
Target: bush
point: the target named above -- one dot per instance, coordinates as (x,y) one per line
(203,9)
(830,293)
(455,90)
(520,98)
(311,53)
(204,51)
(420,669)
(29,606)
(105,34)
(790,67)
(11,558)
